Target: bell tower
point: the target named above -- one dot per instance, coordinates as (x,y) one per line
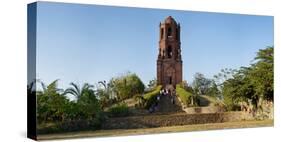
(169,62)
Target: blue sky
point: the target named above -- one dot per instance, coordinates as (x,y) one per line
(88,43)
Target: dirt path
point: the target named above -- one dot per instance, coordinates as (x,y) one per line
(184,128)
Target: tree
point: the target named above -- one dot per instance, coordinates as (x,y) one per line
(251,84)
(186,86)
(200,84)
(105,94)
(262,73)
(152,83)
(78,92)
(222,76)
(31,87)
(50,89)
(127,86)
(50,103)
(89,105)
(213,90)
(86,101)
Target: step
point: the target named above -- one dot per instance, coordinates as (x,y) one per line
(165,104)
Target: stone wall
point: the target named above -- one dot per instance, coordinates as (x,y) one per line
(152,121)
(209,109)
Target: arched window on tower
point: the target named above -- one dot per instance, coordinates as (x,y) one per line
(169,34)
(170,53)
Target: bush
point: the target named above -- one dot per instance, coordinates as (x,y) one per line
(184,95)
(119,110)
(68,126)
(151,97)
(233,107)
(140,101)
(126,86)
(186,87)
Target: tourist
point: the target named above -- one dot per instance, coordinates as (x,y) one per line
(174,92)
(172,98)
(158,98)
(155,108)
(150,109)
(166,92)
(162,92)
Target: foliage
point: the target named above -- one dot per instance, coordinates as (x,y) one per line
(86,101)
(31,87)
(213,90)
(86,111)
(223,75)
(105,94)
(89,106)
(78,92)
(119,110)
(186,87)
(219,79)
(262,73)
(50,103)
(200,84)
(152,83)
(126,86)
(141,101)
(186,97)
(54,107)
(204,86)
(254,83)
(151,97)
(67,126)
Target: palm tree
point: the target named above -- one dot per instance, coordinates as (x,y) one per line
(87,103)
(52,88)
(78,92)
(50,102)
(31,87)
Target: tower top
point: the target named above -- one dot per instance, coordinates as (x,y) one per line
(170,20)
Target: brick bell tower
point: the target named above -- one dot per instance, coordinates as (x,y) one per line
(169,62)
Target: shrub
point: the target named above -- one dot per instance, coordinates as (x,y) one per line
(151,97)
(184,95)
(221,105)
(126,86)
(68,126)
(140,101)
(119,110)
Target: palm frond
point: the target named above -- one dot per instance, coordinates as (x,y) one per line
(76,88)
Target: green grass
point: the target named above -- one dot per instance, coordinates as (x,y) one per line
(184,95)
(153,93)
(151,96)
(120,110)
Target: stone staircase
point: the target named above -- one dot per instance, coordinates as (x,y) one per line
(166,105)
(169,104)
